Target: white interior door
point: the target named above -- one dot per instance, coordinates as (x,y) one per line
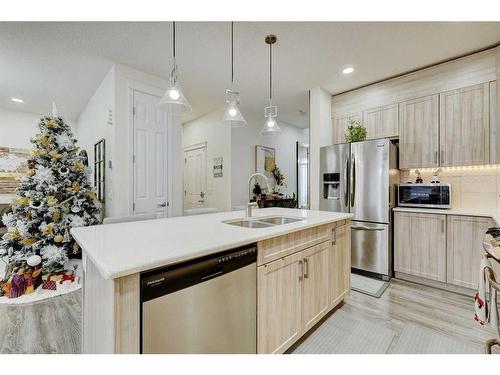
(150,156)
(195,176)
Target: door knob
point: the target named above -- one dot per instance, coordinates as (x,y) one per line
(202,194)
(164,204)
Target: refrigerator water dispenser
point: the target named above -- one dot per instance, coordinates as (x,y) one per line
(331,186)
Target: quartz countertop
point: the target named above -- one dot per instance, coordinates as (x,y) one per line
(122,249)
(494,214)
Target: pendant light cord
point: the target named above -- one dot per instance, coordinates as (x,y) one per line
(173,39)
(270,73)
(232,54)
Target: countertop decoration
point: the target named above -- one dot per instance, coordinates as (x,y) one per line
(355,132)
(55,196)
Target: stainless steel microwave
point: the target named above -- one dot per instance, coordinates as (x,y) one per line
(436,195)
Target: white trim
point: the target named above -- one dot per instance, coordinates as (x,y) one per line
(195,146)
(133,86)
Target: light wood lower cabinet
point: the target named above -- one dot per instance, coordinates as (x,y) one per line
(315,292)
(340,265)
(420,245)
(465,236)
(297,290)
(279,304)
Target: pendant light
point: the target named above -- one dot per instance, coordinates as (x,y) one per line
(173,98)
(232,113)
(271,126)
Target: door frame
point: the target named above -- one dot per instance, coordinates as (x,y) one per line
(192,147)
(133,86)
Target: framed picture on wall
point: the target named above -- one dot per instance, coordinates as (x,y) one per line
(265,162)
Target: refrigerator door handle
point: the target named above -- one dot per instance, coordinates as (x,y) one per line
(346,195)
(362,227)
(353,179)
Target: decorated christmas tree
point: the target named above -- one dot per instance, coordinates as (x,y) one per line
(55,196)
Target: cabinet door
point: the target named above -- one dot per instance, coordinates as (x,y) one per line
(464,126)
(315,297)
(340,126)
(465,248)
(381,122)
(419,132)
(420,245)
(279,304)
(340,265)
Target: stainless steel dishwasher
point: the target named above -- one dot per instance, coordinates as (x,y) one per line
(203,306)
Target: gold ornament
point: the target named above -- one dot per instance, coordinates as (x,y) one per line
(13,233)
(75,248)
(51,201)
(79,166)
(75,187)
(55,155)
(31,172)
(24,201)
(92,195)
(36,152)
(56,215)
(58,238)
(29,241)
(47,229)
(45,141)
(51,124)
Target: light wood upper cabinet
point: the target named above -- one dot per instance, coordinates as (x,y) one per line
(381,122)
(340,264)
(464,126)
(315,294)
(465,236)
(420,245)
(279,304)
(419,133)
(340,126)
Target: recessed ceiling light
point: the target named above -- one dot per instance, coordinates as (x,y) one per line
(348,70)
(17,100)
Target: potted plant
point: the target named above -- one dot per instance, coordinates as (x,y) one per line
(355,132)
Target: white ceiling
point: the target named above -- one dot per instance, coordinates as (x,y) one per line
(65,62)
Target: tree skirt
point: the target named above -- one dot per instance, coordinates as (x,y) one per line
(39,295)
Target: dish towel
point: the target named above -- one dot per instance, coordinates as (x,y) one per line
(485,302)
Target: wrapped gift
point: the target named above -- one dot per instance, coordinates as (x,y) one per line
(67,281)
(49,281)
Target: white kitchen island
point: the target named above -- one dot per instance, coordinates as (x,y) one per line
(116,254)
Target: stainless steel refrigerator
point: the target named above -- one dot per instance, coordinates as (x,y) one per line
(361,178)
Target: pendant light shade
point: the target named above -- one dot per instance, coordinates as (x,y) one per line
(271,126)
(232,113)
(173,99)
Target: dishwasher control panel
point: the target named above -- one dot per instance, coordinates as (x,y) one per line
(169,279)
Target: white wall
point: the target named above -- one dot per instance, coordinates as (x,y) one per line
(243,141)
(16,128)
(217,134)
(93,126)
(321,134)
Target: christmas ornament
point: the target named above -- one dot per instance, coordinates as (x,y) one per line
(36,204)
(58,238)
(75,209)
(34,260)
(29,241)
(55,155)
(79,166)
(63,171)
(51,201)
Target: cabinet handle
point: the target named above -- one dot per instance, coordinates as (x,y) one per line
(442,225)
(435,157)
(442,157)
(334,233)
(301,270)
(306,268)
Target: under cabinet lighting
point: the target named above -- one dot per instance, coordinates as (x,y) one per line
(17,100)
(348,70)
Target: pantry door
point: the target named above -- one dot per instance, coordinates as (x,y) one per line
(195,176)
(150,156)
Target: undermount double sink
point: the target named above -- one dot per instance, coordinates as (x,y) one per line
(263,222)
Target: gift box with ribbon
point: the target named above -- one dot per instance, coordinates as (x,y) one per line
(67,281)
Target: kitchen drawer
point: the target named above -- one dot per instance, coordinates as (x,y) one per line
(278,247)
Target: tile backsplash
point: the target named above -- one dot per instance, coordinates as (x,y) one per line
(471,187)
